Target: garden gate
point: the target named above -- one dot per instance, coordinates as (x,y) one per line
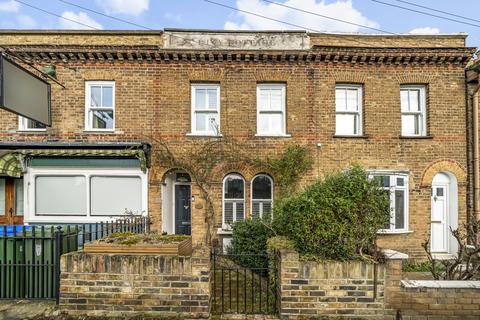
(243,284)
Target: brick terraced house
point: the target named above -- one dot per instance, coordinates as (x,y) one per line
(395,104)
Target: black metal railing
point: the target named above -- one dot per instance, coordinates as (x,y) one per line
(243,284)
(30,255)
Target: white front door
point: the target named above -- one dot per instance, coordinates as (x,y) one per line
(439,220)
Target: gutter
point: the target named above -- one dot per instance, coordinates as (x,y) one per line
(475,99)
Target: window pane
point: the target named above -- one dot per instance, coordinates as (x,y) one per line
(200,96)
(264,99)
(276,99)
(256,209)
(399,209)
(2,197)
(212,98)
(400,182)
(352,100)
(31,124)
(107,98)
(262,188)
(239,211)
(384,181)
(201,121)
(404,100)
(234,188)
(19,197)
(341,99)
(346,124)
(414,100)
(102,119)
(270,123)
(213,124)
(228,212)
(115,195)
(95,96)
(387,195)
(410,124)
(60,195)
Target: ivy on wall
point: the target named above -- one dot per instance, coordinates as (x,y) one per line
(209,156)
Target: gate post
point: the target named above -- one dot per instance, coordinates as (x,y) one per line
(59,250)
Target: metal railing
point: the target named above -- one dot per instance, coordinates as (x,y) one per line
(30,255)
(242,288)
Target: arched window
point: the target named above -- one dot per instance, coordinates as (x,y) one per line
(262,195)
(233,199)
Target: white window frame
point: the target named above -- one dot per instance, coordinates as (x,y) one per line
(423,109)
(276,86)
(193,130)
(393,187)
(261,200)
(29,193)
(23,125)
(89,108)
(358,113)
(227,226)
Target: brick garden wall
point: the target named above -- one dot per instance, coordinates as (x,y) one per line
(310,289)
(123,285)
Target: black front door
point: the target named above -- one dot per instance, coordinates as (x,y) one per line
(182,209)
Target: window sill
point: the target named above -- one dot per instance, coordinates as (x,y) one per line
(32,131)
(102,132)
(350,136)
(394,231)
(416,137)
(273,135)
(204,135)
(221,231)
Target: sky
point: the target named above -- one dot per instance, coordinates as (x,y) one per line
(201,14)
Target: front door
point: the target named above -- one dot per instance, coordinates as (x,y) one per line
(439,221)
(11,201)
(183,210)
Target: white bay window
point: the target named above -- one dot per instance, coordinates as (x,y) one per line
(413,108)
(25,124)
(396,187)
(83,195)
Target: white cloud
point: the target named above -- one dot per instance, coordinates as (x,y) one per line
(129,7)
(173,17)
(9,6)
(342,9)
(81,17)
(425,30)
(25,21)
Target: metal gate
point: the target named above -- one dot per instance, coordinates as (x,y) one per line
(243,284)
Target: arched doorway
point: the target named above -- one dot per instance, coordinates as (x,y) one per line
(176,203)
(444,215)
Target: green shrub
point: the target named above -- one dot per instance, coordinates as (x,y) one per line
(249,242)
(336,218)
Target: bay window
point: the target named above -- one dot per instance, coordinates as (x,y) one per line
(81,195)
(25,124)
(396,187)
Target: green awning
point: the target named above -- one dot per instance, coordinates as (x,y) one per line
(13,163)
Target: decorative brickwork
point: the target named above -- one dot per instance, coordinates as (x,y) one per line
(124,285)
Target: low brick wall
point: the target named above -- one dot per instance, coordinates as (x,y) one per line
(122,285)
(431,299)
(313,289)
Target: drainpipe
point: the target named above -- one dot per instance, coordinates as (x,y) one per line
(476,174)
